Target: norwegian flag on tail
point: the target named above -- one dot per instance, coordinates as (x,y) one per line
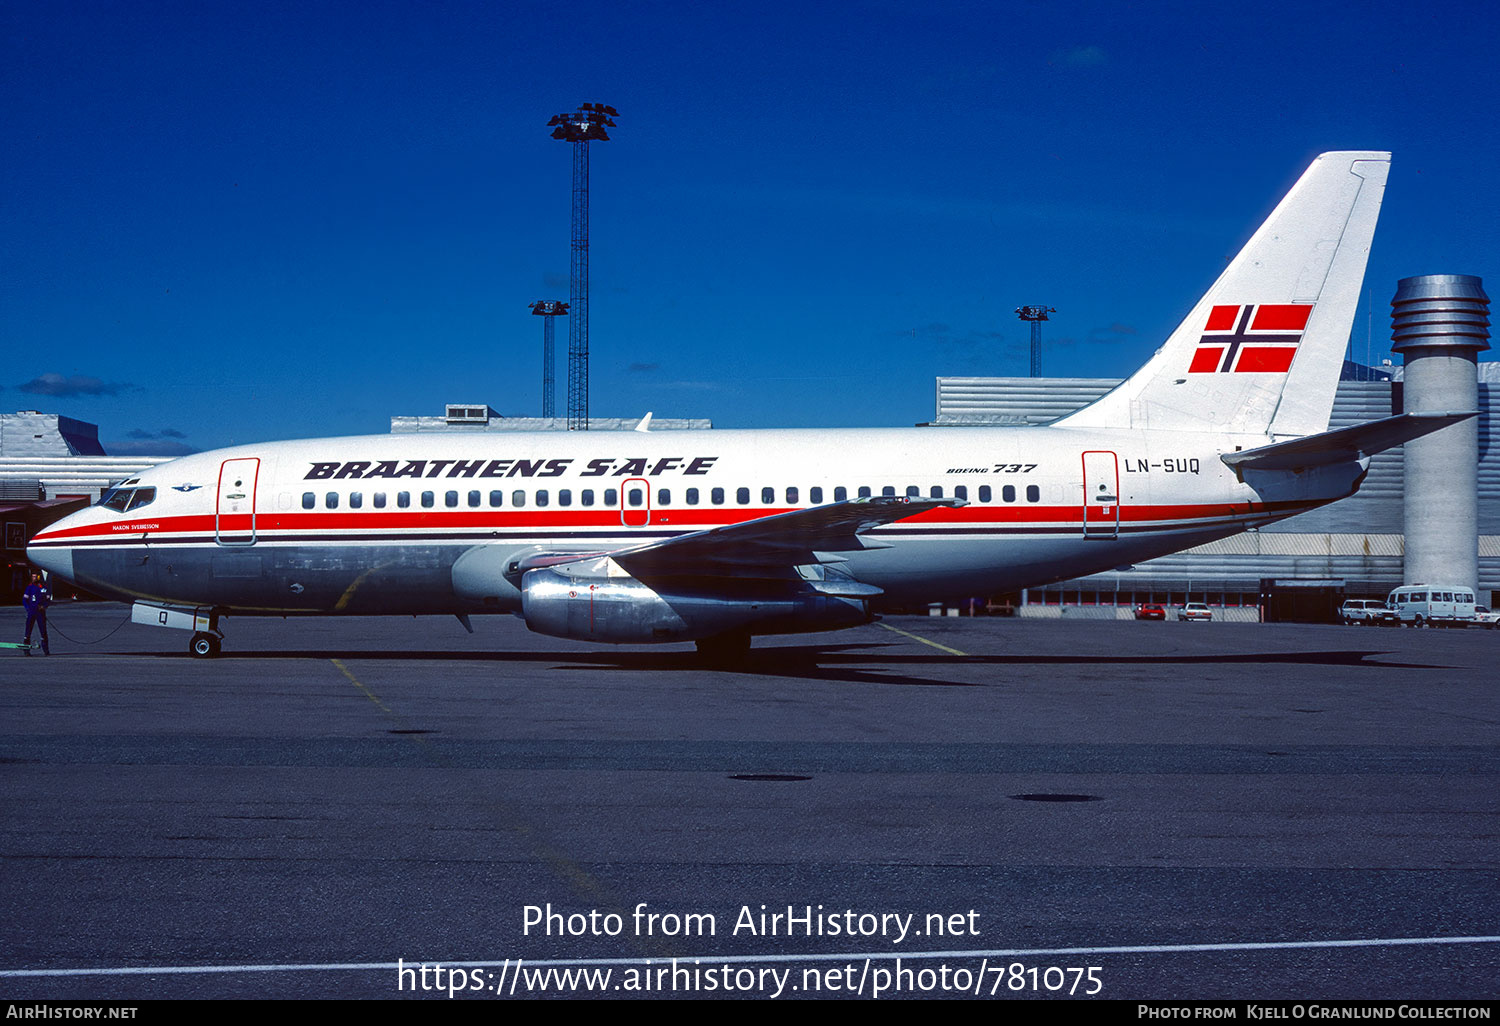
(1250,339)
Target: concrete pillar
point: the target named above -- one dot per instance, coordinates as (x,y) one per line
(1439,325)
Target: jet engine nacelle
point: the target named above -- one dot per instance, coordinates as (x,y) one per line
(622,610)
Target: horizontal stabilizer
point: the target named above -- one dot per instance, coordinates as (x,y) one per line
(1345,444)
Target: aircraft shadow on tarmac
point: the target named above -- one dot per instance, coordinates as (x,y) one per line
(864,664)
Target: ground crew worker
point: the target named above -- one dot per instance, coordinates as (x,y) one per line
(36,599)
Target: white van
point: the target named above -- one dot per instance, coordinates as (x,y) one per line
(1437,605)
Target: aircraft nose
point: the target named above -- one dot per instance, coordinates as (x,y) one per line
(54,558)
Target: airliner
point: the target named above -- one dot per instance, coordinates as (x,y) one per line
(713,537)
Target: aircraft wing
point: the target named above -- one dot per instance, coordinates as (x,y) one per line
(775,543)
(1345,444)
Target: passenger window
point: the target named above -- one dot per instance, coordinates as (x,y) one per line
(937,491)
(356,500)
(587,498)
(840,494)
(636,496)
(960,491)
(815,496)
(888,490)
(664,496)
(429,499)
(403,499)
(912,491)
(497,498)
(767,496)
(380,500)
(331,500)
(518,498)
(692,496)
(1033,493)
(450,499)
(742,496)
(309,501)
(611,497)
(541,497)
(791,496)
(565,497)
(717,496)
(1008,493)
(864,491)
(475,500)
(984,493)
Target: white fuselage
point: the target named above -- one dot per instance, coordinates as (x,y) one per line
(713,536)
(375,524)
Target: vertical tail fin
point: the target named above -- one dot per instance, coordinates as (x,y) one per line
(1262,350)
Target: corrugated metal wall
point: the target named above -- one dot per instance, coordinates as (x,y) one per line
(962,401)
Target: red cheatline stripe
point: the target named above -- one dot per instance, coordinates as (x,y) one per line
(688,520)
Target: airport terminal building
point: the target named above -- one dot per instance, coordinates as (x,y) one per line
(1355,547)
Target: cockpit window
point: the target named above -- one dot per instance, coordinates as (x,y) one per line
(127,497)
(119,496)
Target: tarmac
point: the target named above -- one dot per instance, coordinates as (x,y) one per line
(921,807)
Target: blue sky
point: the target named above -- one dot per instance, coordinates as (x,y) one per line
(227,223)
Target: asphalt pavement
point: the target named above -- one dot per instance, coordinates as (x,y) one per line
(920,807)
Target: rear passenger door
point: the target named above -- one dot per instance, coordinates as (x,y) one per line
(1101,495)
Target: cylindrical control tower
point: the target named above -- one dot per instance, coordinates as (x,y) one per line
(1439,325)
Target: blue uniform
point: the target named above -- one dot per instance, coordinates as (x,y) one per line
(36,599)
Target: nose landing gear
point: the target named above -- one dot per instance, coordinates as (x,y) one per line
(204,645)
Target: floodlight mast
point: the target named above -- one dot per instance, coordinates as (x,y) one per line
(1036,315)
(547,309)
(580,127)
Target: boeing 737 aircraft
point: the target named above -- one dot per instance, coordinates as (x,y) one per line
(715,536)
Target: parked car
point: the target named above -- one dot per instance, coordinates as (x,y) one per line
(1367,613)
(1150,612)
(1195,611)
(1433,605)
(1484,618)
